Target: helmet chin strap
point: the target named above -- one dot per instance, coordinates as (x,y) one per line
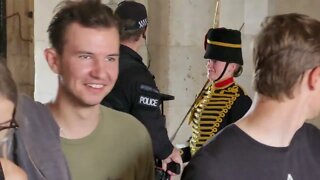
(224,70)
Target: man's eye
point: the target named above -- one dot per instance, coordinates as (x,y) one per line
(84,57)
(110,58)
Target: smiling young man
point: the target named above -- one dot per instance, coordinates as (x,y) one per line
(96,142)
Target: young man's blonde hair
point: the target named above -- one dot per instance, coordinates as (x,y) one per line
(285,48)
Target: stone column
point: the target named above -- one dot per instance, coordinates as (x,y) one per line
(20,52)
(176,37)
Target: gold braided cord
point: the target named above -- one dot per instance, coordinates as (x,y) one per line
(223,44)
(206,123)
(208,117)
(225,101)
(209,113)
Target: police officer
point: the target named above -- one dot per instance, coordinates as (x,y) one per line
(223,101)
(135,91)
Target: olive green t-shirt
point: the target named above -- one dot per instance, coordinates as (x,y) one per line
(118,149)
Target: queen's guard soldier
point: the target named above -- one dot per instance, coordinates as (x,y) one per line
(223,101)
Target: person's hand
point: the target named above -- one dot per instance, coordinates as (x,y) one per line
(174,156)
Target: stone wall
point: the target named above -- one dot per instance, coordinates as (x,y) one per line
(20,51)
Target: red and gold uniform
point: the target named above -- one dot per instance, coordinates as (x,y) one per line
(221,104)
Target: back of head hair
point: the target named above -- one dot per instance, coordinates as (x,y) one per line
(131,35)
(8,87)
(285,48)
(88,13)
(238,71)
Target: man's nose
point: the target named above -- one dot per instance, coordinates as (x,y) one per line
(98,69)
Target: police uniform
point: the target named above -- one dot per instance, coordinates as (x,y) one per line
(222,102)
(136,93)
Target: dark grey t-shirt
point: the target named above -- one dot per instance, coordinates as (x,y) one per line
(233,155)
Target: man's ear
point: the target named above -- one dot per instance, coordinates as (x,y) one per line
(53,60)
(144,36)
(314,78)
